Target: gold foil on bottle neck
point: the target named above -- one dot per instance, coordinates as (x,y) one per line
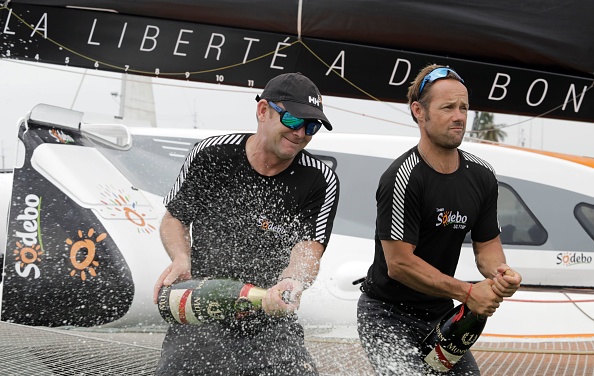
(255,296)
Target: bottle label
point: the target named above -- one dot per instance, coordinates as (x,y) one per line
(441,360)
(206,300)
(468,339)
(181,307)
(180,303)
(163,304)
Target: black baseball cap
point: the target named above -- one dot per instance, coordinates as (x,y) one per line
(299,95)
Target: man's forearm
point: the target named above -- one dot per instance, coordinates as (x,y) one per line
(304,263)
(175,237)
(488,256)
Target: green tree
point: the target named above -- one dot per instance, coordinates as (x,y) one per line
(484,127)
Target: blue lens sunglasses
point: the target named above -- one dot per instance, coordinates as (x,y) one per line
(436,74)
(295,123)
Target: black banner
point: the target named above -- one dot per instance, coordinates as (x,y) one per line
(249,58)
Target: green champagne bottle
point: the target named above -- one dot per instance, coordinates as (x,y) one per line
(452,337)
(202,300)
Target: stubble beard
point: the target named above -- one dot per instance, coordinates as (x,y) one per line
(445,141)
(285,154)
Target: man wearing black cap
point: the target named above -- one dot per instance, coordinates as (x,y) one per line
(260,210)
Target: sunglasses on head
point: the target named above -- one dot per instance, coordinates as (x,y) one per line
(295,123)
(436,74)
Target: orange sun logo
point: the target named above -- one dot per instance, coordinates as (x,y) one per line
(84,249)
(27,255)
(123,204)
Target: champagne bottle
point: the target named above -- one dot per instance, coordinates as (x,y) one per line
(452,337)
(202,300)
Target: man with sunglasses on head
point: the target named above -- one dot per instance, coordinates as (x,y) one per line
(427,201)
(260,209)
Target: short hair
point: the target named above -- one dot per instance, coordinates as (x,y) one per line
(413,90)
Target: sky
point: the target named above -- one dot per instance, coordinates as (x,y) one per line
(181,104)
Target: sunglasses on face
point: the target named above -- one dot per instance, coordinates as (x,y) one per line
(436,74)
(295,123)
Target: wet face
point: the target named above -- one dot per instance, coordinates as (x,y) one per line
(443,121)
(282,141)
